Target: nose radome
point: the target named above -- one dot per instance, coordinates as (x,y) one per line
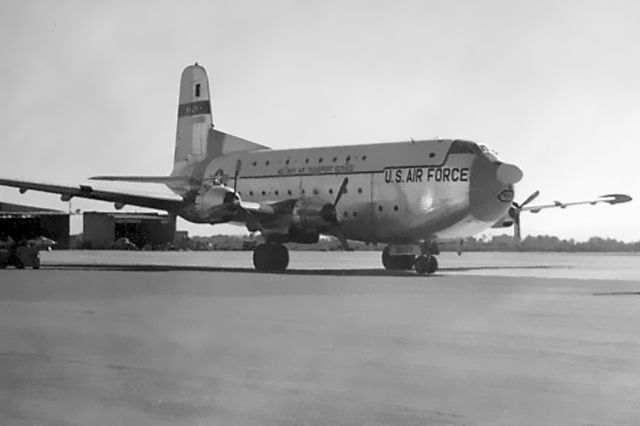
(508,174)
(491,188)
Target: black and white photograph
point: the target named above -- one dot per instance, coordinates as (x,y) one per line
(296,212)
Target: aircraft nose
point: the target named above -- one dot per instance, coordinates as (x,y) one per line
(508,174)
(491,188)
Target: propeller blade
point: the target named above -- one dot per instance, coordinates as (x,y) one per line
(236,175)
(516,233)
(341,191)
(530,199)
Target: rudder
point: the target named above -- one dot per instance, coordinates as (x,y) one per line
(195,121)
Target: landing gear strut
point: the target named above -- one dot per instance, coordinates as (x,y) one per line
(271,257)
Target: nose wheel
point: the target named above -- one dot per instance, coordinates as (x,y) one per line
(271,257)
(424,264)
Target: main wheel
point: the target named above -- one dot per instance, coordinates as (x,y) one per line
(396,263)
(433,265)
(271,257)
(426,264)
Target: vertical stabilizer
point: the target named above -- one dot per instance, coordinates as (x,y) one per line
(195,121)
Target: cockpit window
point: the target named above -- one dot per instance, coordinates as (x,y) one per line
(464,147)
(489,153)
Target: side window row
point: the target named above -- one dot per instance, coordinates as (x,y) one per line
(307,160)
(289,192)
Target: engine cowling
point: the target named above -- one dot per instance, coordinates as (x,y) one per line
(303,235)
(507,220)
(313,213)
(309,218)
(216,204)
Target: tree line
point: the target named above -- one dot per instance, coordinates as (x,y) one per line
(544,243)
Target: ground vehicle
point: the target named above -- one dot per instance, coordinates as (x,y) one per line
(124,244)
(20,257)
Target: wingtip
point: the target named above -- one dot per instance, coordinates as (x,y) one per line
(616,198)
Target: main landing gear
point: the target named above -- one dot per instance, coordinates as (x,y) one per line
(424,263)
(271,257)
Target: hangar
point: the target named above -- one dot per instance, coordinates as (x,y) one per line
(26,222)
(102,229)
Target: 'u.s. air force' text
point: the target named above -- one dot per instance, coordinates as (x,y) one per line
(427,174)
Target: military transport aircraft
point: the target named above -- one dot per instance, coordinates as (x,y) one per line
(408,195)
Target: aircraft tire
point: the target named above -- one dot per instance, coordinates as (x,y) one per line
(433,265)
(421,264)
(426,264)
(396,263)
(271,257)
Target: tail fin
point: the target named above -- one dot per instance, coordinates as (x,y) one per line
(194,118)
(196,139)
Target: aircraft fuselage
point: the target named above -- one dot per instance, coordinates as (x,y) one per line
(400,192)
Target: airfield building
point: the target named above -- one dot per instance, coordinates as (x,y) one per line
(101,230)
(26,222)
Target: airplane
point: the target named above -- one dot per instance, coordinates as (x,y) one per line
(407,195)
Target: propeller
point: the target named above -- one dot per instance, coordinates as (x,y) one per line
(329,214)
(236,198)
(236,175)
(232,197)
(514,212)
(341,191)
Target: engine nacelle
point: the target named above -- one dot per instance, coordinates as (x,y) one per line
(303,235)
(507,220)
(215,204)
(309,213)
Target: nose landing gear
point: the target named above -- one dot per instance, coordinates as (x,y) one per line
(271,257)
(421,258)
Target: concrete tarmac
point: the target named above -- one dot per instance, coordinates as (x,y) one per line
(91,346)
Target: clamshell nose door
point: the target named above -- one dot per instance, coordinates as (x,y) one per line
(508,174)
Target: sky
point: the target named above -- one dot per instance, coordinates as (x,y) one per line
(90,88)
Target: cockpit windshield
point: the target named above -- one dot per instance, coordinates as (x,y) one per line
(465,147)
(489,153)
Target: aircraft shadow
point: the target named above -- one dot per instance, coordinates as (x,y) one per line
(328,272)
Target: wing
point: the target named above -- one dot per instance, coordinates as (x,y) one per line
(608,199)
(167,203)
